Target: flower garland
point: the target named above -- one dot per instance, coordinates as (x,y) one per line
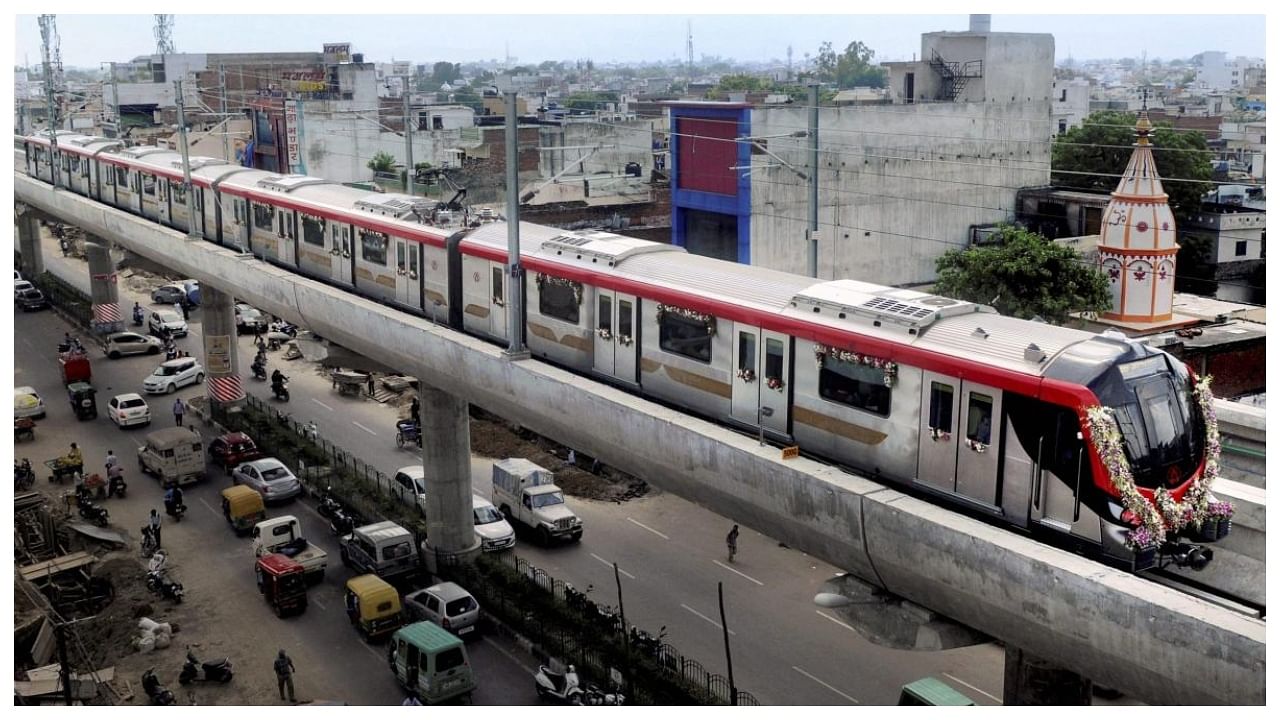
(1166,514)
(694,315)
(890,368)
(544,279)
(747,374)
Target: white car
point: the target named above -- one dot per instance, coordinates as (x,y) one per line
(269,477)
(21,286)
(27,403)
(131,343)
(128,409)
(493,530)
(173,374)
(170,320)
(446,604)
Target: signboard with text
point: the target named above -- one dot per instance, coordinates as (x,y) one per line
(291,135)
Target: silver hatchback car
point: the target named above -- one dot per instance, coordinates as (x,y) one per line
(446,604)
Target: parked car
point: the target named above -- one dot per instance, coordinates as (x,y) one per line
(128,409)
(268,476)
(27,403)
(249,319)
(131,343)
(21,286)
(173,374)
(169,320)
(170,294)
(412,486)
(31,299)
(233,449)
(492,528)
(447,605)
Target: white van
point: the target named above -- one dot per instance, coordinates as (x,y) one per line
(174,455)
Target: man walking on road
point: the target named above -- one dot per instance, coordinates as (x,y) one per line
(284,675)
(178,411)
(732,541)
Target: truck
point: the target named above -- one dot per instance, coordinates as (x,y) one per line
(384,549)
(284,535)
(526,492)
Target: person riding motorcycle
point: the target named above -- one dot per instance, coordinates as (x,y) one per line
(137,314)
(259,366)
(173,500)
(277,381)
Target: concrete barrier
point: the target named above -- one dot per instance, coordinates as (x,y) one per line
(1244,441)
(1151,642)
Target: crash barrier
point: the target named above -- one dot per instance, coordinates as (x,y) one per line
(526,599)
(66,299)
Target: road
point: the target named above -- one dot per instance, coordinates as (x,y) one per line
(786,650)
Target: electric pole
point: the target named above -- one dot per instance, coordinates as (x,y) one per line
(51,56)
(813,180)
(408,140)
(188,196)
(515,272)
(226,121)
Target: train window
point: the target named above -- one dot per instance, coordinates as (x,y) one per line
(854,385)
(109,177)
(122,176)
(604,316)
(75,163)
(978,422)
(373,247)
(179,194)
(624,319)
(400,255)
(684,336)
(559,300)
(290,228)
(496,284)
(747,351)
(148,184)
(264,216)
(940,402)
(773,352)
(160,190)
(312,230)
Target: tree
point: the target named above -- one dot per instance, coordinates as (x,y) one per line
(445,72)
(382,162)
(1102,146)
(1025,276)
(851,68)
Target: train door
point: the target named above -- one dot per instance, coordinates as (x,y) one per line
(761,376)
(978,457)
(497,302)
(775,401)
(340,253)
(744,403)
(939,436)
(197,209)
(289,233)
(615,343)
(1053,498)
(165,200)
(407,273)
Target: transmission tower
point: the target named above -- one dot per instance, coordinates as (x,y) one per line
(688,46)
(51,60)
(164,35)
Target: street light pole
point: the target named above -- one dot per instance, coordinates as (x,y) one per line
(516,349)
(188,196)
(728,658)
(813,181)
(408,140)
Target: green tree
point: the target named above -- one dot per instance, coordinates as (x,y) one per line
(469,97)
(1024,276)
(382,162)
(1092,156)
(851,68)
(589,100)
(445,72)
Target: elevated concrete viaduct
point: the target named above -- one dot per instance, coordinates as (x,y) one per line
(1151,642)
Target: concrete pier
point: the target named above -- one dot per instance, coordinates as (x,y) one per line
(446,459)
(102,287)
(221,363)
(29,242)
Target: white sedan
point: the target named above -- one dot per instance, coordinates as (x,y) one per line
(269,477)
(129,409)
(27,403)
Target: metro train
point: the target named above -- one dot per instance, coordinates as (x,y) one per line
(941,397)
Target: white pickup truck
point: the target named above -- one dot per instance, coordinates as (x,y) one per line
(284,535)
(527,492)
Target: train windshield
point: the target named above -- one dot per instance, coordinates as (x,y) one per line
(1160,422)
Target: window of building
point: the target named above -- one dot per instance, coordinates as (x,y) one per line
(684,336)
(264,217)
(560,301)
(373,247)
(1062,126)
(1064,95)
(313,230)
(1242,248)
(854,385)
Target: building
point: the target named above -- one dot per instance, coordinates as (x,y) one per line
(1235,235)
(898,185)
(1245,142)
(1070,104)
(1216,72)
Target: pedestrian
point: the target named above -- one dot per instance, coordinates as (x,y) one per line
(154,524)
(732,541)
(370,376)
(178,411)
(284,675)
(413,410)
(112,460)
(186,312)
(573,457)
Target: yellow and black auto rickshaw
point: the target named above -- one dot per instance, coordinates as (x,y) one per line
(242,507)
(83,400)
(373,606)
(282,583)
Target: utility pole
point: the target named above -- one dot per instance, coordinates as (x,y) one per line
(813,180)
(52,62)
(408,140)
(515,272)
(728,657)
(226,130)
(186,165)
(64,670)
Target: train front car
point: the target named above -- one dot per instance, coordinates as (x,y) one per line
(1152,441)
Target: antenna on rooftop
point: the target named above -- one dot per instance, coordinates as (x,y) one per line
(689,49)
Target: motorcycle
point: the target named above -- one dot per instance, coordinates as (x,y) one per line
(159,582)
(148,544)
(159,694)
(281,390)
(558,686)
(193,670)
(595,696)
(175,510)
(170,352)
(259,371)
(343,522)
(89,511)
(23,476)
(329,505)
(116,485)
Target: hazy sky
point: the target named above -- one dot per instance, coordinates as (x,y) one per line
(88,40)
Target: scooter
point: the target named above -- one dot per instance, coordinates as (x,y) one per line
(281,390)
(193,670)
(329,505)
(595,696)
(259,371)
(89,511)
(159,582)
(159,694)
(558,686)
(170,352)
(116,486)
(175,510)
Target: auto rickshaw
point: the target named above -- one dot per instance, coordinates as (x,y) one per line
(83,400)
(282,584)
(242,507)
(932,691)
(373,606)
